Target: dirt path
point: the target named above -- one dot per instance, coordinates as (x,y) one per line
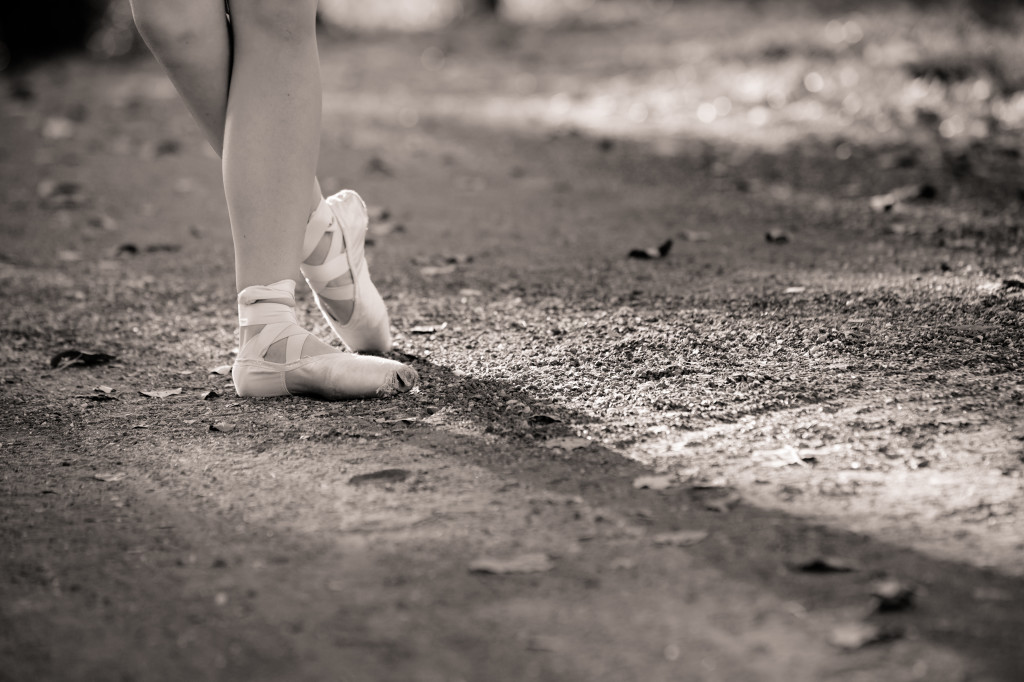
(849,394)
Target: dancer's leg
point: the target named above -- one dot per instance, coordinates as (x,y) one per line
(191,39)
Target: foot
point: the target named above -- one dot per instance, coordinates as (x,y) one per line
(334,265)
(278,357)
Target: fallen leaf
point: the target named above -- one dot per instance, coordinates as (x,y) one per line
(125,250)
(1013,284)
(436,270)
(883,203)
(823,565)
(428,329)
(543,420)
(223,370)
(72,358)
(776,236)
(383,476)
(892,595)
(853,636)
(96,397)
(161,393)
(524,563)
(210,395)
(652,253)
(682,538)
(654,482)
(109,477)
(103,389)
(222,427)
(794,290)
(567,443)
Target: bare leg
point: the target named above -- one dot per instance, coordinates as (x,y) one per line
(192,41)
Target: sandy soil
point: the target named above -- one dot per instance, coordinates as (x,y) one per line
(702,466)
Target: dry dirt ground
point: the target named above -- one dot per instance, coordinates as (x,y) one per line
(791,449)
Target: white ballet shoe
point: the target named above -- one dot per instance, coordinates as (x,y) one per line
(344,217)
(333,375)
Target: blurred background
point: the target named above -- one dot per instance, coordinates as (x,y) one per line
(940,76)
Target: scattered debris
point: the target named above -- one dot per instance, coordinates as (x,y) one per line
(652,253)
(853,636)
(776,236)
(823,565)
(892,595)
(75,358)
(663,482)
(794,290)
(523,563)
(209,395)
(436,270)
(682,538)
(428,329)
(1013,284)
(223,370)
(161,393)
(96,397)
(222,427)
(884,203)
(543,420)
(109,477)
(382,476)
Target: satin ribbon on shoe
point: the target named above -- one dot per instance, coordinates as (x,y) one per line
(334,375)
(343,216)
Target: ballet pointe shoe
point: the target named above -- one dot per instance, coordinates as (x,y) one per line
(310,367)
(342,279)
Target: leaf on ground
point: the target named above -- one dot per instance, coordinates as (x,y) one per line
(682,538)
(428,329)
(826,564)
(161,393)
(210,395)
(127,249)
(524,563)
(543,419)
(1013,284)
(223,370)
(77,358)
(96,397)
(383,476)
(663,482)
(110,476)
(776,236)
(853,636)
(222,427)
(436,270)
(103,389)
(883,203)
(567,443)
(892,595)
(652,253)
(794,290)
